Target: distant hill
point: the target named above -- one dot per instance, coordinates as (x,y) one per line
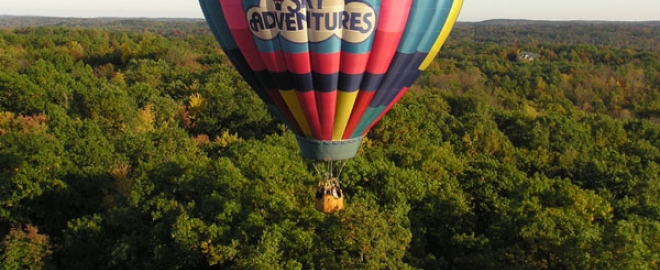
(122,24)
(10,21)
(604,33)
(636,35)
(507,22)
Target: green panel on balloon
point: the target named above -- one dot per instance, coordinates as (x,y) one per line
(328,150)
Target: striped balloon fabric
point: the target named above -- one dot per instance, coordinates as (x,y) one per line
(330,69)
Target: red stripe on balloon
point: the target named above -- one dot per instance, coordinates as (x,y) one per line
(393,17)
(233,12)
(353,63)
(235,16)
(361,104)
(298,63)
(383,51)
(308,101)
(327,106)
(325,63)
(274,61)
(326,102)
(248,48)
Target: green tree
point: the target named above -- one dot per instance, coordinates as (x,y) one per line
(25,248)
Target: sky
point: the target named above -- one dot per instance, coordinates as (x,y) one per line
(473,10)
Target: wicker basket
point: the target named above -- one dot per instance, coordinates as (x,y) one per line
(328,204)
(329,197)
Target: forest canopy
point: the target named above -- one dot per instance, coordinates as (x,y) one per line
(135,144)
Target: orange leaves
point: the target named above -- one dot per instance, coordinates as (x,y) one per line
(25,124)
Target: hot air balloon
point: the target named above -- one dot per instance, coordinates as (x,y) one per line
(330,69)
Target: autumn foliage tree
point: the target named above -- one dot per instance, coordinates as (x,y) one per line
(131,144)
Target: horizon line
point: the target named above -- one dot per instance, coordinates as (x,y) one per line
(203,19)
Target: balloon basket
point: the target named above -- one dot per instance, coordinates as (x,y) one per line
(329,197)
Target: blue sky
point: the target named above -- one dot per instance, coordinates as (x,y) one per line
(473,10)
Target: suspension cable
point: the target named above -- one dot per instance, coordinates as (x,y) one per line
(341,168)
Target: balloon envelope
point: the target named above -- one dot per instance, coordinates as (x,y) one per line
(330,69)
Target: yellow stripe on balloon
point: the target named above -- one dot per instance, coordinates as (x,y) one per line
(345,101)
(291,100)
(449,24)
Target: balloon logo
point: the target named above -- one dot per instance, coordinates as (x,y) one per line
(330,69)
(293,19)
